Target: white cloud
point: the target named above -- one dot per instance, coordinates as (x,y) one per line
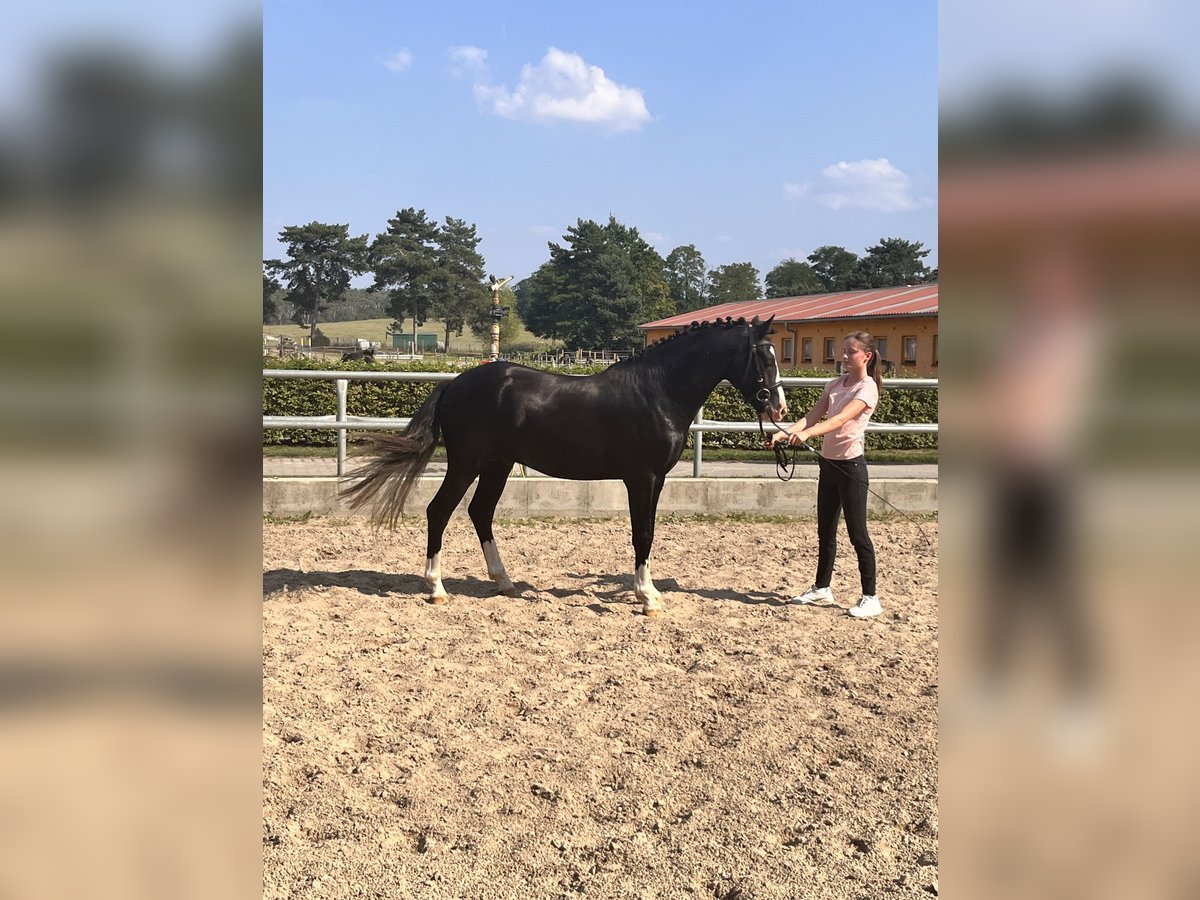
(795,190)
(654,238)
(867,184)
(468,61)
(563,87)
(399,61)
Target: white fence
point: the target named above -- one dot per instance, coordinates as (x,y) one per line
(343,422)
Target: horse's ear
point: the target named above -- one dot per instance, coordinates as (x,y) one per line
(762,329)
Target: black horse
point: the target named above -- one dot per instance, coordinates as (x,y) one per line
(367,355)
(628,422)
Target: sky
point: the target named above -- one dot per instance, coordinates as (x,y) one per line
(754,131)
(183,35)
(1061,47)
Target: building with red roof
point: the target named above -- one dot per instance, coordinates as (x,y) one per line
(808,330)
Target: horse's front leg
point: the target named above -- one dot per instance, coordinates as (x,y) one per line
(482,510)
(643,505)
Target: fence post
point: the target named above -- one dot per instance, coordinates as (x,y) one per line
(341,385)
(697,444)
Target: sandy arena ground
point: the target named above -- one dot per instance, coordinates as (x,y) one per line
(558,744)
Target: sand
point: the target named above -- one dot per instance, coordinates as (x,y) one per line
(559,744)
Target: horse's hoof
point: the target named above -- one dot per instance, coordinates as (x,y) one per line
(437,599)
(652,612)
(509,592)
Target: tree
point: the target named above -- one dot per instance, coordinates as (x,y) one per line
(321,261)
(686,273)
(458,283)
(356,304)
(649,283)
(271,287)
(536,300)
(791,278)
(734,283)
(405,260)
(891,263)
(833,267)
(595,290)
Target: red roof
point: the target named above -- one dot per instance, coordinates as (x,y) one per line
(1158,185)
(921,300)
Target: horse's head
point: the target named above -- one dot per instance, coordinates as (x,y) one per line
(759,373)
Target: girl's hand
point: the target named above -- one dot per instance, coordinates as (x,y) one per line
(777,437)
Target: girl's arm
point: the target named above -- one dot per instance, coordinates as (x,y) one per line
(853,409)
(814,415)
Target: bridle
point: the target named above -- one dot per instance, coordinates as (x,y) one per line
(758,349)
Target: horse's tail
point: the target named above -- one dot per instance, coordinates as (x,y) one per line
(398,461)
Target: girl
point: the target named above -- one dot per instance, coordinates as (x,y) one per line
(848,401)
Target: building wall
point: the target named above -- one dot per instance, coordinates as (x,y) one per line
(894,329)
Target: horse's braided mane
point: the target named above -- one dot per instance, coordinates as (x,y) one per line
(727,322)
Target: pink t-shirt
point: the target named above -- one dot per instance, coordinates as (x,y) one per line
(847,441)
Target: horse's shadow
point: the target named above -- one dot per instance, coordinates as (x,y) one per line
(619,585)
(608,591)
(375,584)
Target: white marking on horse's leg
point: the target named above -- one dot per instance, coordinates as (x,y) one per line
(433,579)
(645,590)
(495,569)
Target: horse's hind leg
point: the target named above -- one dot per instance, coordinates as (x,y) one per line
(643,504)
(437,514)
(483,507)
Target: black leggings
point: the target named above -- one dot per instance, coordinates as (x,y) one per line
(843,487)
(1036,574)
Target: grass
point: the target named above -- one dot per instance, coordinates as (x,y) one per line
(376,330)
(927,457)
(545,522)
(290,450)
(269,519)
(731,518)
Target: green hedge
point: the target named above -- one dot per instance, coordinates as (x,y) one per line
(895,406)
(285,397)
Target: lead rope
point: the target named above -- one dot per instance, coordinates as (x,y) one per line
(781,458)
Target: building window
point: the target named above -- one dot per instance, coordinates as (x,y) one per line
(881,349)
(789,345)
(829,342)
(806,348)
(910,349)
(935,359)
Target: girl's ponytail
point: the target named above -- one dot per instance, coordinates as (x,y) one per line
(875,366)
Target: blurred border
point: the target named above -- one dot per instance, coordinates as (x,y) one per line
(1070,249)
(130,535)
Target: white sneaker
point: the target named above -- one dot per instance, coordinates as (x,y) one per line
(868,605)
(815,595)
